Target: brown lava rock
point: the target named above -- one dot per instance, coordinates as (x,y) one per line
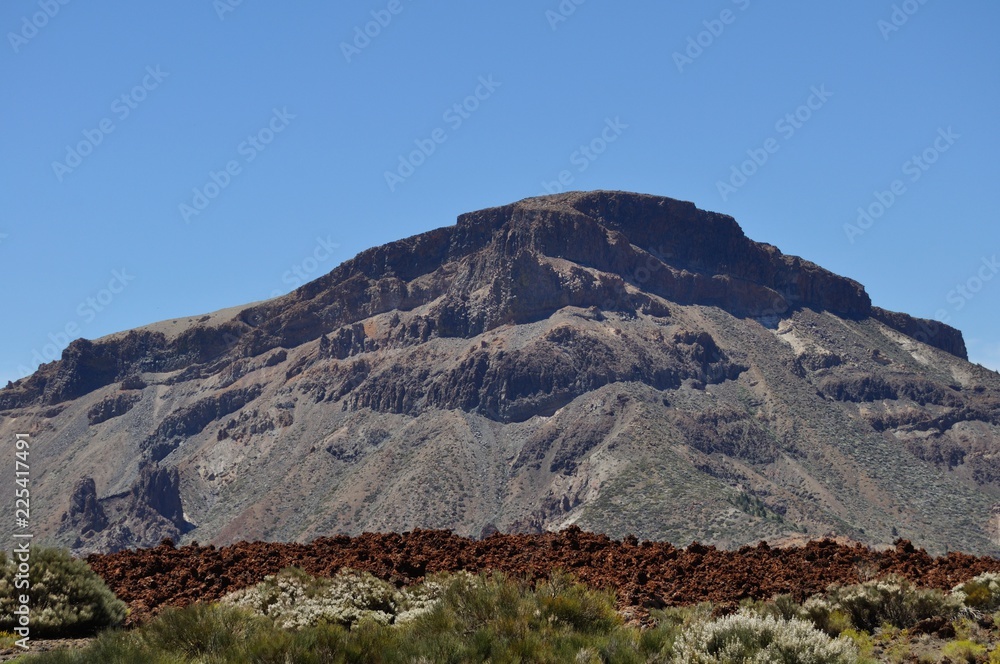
(644,575)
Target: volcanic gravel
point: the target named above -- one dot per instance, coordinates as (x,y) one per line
(644,575)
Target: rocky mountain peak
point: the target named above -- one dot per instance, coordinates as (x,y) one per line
(590,357)
(503,265)
(708,258)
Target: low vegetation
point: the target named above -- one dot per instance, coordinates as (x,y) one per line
(293,599)
(981,593)
(869,605)
(746,637)
(66,598)
(293,617)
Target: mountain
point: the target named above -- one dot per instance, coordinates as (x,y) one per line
(626,363)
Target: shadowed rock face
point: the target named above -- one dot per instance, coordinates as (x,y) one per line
(624,361)
(159,490)
(149,511)
(995,525)
(85,514)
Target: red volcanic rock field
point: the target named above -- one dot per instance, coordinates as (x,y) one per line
(644,575)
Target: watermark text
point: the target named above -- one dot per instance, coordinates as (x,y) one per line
(22,533)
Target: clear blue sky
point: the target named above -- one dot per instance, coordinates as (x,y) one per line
(113,113)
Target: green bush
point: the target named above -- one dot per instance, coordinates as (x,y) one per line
(496,618)
(207,634)
(826,616)
(110,647)
(201,630)
(415,601)
(964,651)
(867,606)
(657,642)
(783,607)
(66,597)
(561,599)
(454,617)
(747,637)
(981,593)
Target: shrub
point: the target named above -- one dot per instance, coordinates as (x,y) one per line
(745,637)
(418,600)
(496,618)
(468,607)
(561,599)
(780,606)
(862,640)
(207,634)
(981,593)
(66,597)
(657,642)
(293,599)
(785,607)
(110,647)
(867,606)
(826,615)
(201,630)
(964,651)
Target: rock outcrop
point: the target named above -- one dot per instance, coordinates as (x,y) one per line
(85,514)
(149,511)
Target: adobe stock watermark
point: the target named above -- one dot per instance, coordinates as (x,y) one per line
(786,127)
(958,298)
(699,43)
(562,12)
(86,312)
(584,156)
(22,551)
(963,293)
(304,271)
(900,16)
(248,149)
(455,117)
(913,168)
(364,34)
(30,25)
(223,7)
(122,107)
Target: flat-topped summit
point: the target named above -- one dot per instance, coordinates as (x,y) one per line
(508,264)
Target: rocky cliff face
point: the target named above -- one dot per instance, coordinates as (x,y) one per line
(624,247)
(601,358)
(148,512)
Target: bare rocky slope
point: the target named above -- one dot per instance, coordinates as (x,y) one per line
(627,363)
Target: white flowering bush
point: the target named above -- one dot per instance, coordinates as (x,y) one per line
(754,639)
(981,593)
(66,596)
(418,600)
(293,599)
